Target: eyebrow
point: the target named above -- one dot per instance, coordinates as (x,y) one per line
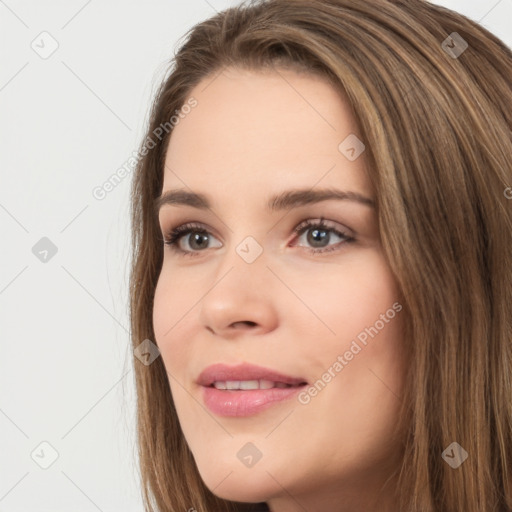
(282,201)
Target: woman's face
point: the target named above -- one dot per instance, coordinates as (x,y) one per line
(320,305)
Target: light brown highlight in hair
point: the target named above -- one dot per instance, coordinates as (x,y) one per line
(438,136)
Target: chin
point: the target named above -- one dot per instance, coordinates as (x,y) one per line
(243,485)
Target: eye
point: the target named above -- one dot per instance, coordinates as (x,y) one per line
(319,237)
(200,238)
(320,232)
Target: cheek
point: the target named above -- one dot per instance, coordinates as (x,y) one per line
(172,302)
(176,292)
(357,315)
(162,310)
(342,299)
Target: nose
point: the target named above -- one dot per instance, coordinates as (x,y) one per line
(240,300)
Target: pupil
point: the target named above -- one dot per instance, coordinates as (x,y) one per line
(316,237)
(198,237)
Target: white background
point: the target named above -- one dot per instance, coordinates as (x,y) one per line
(67,123)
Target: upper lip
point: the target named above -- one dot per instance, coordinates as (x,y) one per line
(221,373)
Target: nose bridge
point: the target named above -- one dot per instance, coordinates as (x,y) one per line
(244,263)
(239,295)
(249,250)
(246,239)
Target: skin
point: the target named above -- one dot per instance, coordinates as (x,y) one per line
(254,134)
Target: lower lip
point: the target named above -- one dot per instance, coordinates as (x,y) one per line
(245,403)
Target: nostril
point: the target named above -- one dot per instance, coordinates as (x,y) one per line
(245,323)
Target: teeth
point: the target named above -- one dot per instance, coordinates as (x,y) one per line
(249,384)
(266,384)
(246,384)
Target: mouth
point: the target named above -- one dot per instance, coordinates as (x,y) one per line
(245,376)
(245,389)
(248,385)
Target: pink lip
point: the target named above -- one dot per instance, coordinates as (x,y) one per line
(244,402)
(245,371)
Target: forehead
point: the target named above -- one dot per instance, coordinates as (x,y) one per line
(261,130)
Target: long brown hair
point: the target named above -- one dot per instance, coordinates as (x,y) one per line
(437,125)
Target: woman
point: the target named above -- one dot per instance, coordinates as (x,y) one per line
(321,229)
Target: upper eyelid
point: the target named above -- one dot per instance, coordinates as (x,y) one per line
(303,225)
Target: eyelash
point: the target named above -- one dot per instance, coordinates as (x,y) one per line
(172,238)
